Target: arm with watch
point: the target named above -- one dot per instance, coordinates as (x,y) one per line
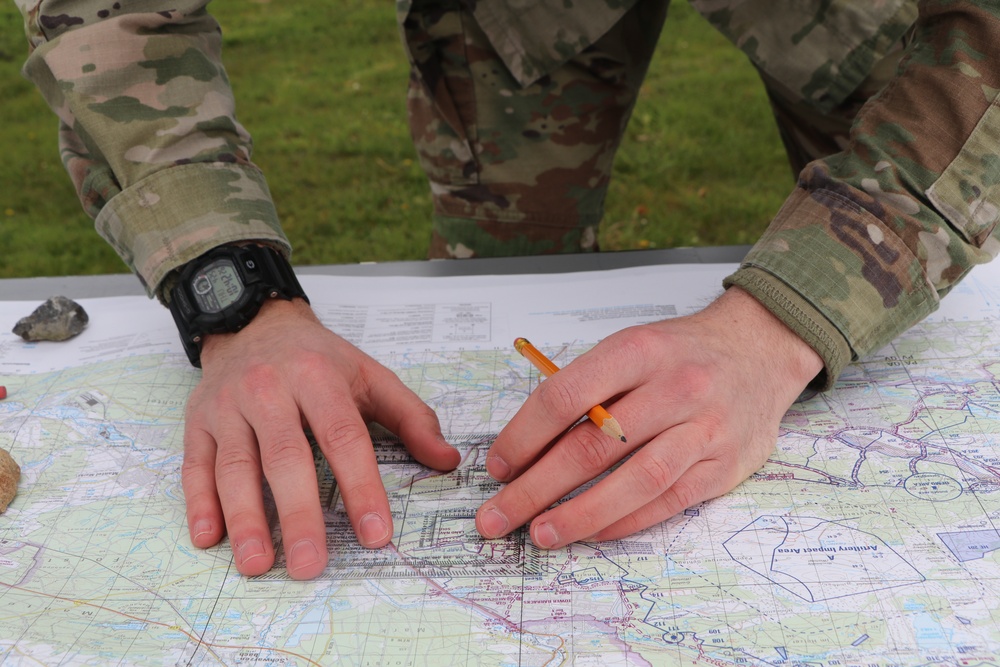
(160,161)
(270,366)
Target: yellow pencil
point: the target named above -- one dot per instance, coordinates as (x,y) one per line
(597,414)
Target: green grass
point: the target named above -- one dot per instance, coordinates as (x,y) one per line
(320,84)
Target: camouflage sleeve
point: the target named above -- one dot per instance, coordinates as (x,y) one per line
(874,236)
(148,131)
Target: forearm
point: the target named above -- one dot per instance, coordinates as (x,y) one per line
(873,236)
(148,131)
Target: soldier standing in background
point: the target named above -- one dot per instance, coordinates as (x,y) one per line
(887,112)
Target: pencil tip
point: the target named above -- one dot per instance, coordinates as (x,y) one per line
(623,439)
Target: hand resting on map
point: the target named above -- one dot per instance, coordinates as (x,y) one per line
(246,418)
(700,399)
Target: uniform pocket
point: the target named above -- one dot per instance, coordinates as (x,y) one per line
(440,99)
(967,193)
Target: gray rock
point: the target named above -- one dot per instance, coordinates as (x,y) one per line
(58,318)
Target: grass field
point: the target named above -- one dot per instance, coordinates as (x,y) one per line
(320,84)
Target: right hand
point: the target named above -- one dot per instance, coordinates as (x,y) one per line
(700,398)
(246,418)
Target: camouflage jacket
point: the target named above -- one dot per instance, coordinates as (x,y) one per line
(864,247)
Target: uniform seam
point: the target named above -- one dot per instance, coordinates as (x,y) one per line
(877,99)
(474,139)
(800,315)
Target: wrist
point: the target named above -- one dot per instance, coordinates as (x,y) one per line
(273,313)
(802,316)
(763,334)
(223,291)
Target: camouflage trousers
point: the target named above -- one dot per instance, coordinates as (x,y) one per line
(525,170)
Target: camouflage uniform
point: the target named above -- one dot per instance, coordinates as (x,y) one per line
(517,108)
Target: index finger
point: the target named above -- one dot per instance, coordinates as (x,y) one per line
(556,404)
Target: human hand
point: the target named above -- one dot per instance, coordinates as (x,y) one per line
(700,399)
(246,418)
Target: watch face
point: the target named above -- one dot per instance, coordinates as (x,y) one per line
(217,286)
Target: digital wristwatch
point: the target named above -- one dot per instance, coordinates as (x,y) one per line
(224,289)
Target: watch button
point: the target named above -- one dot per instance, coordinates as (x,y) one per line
(251,264)
(184,305)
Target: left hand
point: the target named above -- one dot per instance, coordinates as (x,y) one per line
(700,399)
(246,421)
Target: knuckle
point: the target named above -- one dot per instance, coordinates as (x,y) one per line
(638,345)
(313,367)
(233,462)
(193,467)
(198,490)
(360,487)
(652,477)
(558,398)
(696,382)
(422,413)
(419,417)
(298,514)
(342,434)
(368,376)
(638,342)
(594,451)
(729,452)
(203,404)
(240,519)
(533,500)
(683,495)
(259,378)
(710,436)
(283,451)
(520,499)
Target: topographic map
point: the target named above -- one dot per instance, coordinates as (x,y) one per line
(869,539)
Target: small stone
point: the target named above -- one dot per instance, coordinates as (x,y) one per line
(59,318)
(10,473)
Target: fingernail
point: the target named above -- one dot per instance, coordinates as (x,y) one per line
(202,527)
(497,467)
(249,550)
(302,555)
(546,536)
(373,528)
(493,522)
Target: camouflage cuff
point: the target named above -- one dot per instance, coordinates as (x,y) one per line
(849,264)
(171,217)
(798,315)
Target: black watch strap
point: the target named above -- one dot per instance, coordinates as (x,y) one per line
(254,273)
